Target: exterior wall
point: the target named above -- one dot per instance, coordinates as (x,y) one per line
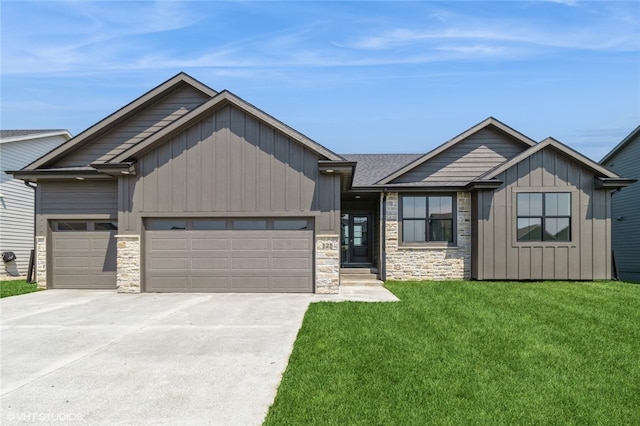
(230,164)
(136,128)
(428,263)
(625,212)
(498,255)
(327,264)
(467,159)
(17,200)
(128,276)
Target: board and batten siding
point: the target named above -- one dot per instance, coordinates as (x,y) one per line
(625,212)
(86,199)
(140,126)
(496,254)
(467,159)
(230,163)
(17,200)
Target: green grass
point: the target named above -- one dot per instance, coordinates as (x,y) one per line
(458,353)
(16,287)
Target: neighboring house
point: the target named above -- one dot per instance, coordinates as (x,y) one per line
(17,149)
(624,159)
(189,189)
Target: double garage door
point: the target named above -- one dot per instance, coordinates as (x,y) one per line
(228,255)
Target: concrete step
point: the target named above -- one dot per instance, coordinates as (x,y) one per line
(347,282)
(345,271)
(362,276)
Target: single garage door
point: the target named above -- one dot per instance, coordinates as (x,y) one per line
(83,254)
(229,255)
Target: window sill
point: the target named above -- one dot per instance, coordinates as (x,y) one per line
(428,246)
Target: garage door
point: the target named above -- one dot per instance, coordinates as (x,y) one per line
(228,255)
(83,254)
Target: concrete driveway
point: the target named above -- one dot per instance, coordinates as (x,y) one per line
(98,357)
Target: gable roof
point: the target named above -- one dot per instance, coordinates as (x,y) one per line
(221,99)
(23,135)
(370,168)
(627,140)
(489,122)
(557,146)
(122,114)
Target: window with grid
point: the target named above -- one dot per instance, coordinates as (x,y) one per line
(427,218)
(544,216)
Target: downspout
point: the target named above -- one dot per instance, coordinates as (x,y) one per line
(383,255)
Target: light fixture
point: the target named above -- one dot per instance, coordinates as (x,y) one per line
(357,197)
(79,178)
(329,170)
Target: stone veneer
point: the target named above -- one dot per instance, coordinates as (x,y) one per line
(429,263)
(327,264)
(41,262)
(128,264)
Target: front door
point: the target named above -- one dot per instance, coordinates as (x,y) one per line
(357,238)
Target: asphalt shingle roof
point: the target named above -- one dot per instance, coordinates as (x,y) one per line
(16,133)
(373,167)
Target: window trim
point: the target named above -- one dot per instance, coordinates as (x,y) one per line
(429,244)
(575,209)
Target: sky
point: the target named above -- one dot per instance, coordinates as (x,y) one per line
(356,77)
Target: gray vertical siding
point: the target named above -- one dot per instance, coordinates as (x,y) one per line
(17,201)
(230,163)
(75,200)
(467,159)
(133,130)
(625,211)
(497,254)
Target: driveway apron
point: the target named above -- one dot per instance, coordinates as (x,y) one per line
(98,357)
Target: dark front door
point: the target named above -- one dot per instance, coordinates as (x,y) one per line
(357,238)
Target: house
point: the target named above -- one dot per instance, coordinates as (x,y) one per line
(624,159)
(187,189)
(17,149)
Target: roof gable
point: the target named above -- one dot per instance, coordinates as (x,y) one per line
(551,143)
(489,123)
(121,115)
(221,99)
(626,141)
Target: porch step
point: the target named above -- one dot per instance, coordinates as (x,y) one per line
(359,277)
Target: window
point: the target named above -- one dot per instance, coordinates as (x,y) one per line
(544,216)
(427,218)
(71,226)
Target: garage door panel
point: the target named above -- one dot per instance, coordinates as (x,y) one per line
(76,242)
(229,260)
(207,284)
(300,264)
(288,284)
(209,264)
(212,244)
(170,283)
(250,263)
(250,283)
(170,263)
(291,244)
(169,244)
(247,243)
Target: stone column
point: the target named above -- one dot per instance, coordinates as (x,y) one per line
(128,263)
(327,264)
(41,262)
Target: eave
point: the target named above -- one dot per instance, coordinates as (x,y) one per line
(613,183)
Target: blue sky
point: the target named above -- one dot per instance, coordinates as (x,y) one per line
(354,76)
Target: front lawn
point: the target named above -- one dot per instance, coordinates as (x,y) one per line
(458,353)
(16,287)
